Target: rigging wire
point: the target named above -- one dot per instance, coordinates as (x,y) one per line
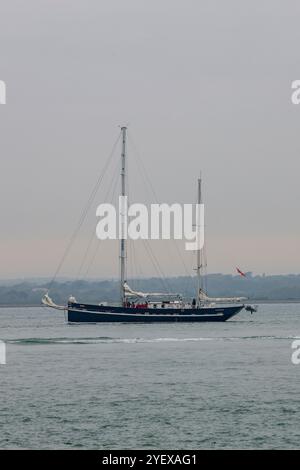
(148,181)
(114,187)
(84,212)
(157,266)
(92,238)
(133,265)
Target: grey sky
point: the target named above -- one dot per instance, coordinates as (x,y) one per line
(204,85)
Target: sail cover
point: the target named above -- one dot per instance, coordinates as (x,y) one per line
(132,293)
(204,298)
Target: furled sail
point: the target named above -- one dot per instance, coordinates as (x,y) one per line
(204,298)
(132,293)
(48,302)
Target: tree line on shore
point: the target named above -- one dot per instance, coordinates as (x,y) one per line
(268,288)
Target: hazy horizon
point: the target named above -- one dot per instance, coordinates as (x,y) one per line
(62,279)
(204,86)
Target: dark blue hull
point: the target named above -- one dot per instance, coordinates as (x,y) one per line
(82,313)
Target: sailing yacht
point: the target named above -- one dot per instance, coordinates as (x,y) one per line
(143,307)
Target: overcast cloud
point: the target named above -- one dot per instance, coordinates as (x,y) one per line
(204,85)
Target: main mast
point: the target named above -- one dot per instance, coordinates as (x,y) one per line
(123,221)
(199,263)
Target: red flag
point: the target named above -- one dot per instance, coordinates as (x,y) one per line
(241,272)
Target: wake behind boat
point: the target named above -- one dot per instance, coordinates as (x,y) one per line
(143,307)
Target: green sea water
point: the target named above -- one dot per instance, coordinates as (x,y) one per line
(153,386)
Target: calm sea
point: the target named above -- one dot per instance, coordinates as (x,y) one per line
(175,386)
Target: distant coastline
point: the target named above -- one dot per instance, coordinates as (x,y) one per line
(257,289)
